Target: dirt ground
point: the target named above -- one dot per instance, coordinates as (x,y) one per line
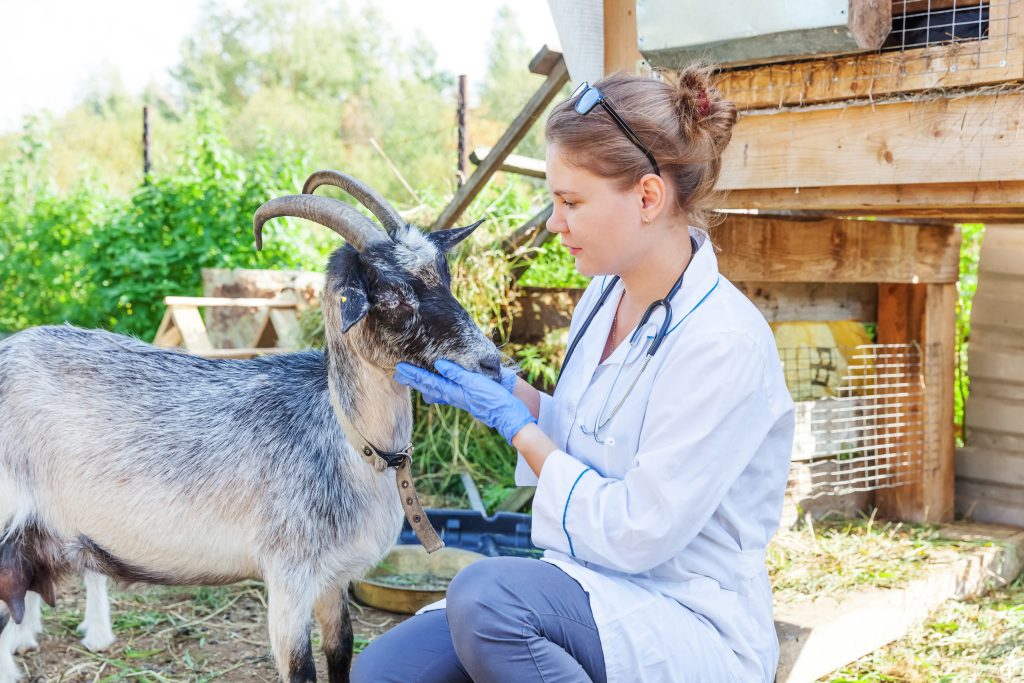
(174,634)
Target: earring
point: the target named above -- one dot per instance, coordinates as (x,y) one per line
(646,220)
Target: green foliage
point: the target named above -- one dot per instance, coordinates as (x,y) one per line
(199,217)
(970,255)
(93,259)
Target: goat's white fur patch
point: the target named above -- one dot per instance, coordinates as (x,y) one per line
(96,628)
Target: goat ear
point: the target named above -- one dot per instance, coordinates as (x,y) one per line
(354,305)
(354,302)
(444,240)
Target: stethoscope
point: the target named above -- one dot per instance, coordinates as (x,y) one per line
(640,333)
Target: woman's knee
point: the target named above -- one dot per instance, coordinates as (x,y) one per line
(418,649)
(484,596)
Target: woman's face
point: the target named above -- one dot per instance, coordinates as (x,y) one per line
(598,223)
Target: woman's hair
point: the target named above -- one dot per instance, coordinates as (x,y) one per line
(682,120)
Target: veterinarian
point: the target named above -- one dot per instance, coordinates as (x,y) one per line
(660,460)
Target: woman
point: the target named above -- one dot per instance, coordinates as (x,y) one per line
(660,460)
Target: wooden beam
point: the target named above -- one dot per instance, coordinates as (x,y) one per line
(756,248)
(959,202)
(284,302)
(545,61)
(514,163)
(969,139)
(812,301)
(997,59)
(925,314)
(620,44)
(515,132)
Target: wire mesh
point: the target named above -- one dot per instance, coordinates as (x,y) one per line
(919,24)
(863,417)
(933,43)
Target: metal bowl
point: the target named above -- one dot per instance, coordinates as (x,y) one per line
(409,578)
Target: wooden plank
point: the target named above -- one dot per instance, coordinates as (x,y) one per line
(990,502)
(544,61)
(511,137)
(992,308)
(995,364)
(997,389)
(982,439)
(228,301)
(1002,250)
(286,325)
(970,139)
(770,249)
(995,414)
(620,40)
(190,325)
(788,302)
(962,202)
(514,163)
(925,314)
(167,335)
(997,59)
(939,474)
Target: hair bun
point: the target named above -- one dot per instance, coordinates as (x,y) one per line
(701,108)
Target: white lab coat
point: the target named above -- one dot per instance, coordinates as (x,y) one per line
(665,524)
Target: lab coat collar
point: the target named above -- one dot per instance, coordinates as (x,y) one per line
(701,276)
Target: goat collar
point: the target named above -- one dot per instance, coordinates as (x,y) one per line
(402,462)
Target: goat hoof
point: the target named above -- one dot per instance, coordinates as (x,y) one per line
(99,641)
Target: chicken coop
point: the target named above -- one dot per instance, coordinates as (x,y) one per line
(869,130)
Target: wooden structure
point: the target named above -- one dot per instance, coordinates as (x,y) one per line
(926,131)
(277,326)
(918,135)
(990,469)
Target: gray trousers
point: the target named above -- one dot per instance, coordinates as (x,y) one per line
(507,619)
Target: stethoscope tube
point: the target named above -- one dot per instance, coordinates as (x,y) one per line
(662,331)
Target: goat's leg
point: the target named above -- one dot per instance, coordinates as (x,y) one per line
(336,632)
(289,617)
(95,627)
(31,625)
(9,672)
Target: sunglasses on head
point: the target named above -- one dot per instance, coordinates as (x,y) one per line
(587,97)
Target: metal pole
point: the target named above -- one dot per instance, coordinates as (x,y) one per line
(145,145)
(460,114)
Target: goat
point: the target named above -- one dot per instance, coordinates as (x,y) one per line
(151,465)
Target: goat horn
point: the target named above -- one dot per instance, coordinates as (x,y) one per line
(366,195)
(343,219)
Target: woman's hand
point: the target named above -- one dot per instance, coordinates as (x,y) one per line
(486,400)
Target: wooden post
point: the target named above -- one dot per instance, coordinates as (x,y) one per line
(460,117)
(620,46)
(557,77)
(145,145)
(924,313)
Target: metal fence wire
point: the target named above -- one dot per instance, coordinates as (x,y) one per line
(865,419)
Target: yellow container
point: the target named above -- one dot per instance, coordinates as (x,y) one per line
(409,578)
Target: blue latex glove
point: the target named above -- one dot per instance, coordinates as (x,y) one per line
(508,378)
(480,396)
